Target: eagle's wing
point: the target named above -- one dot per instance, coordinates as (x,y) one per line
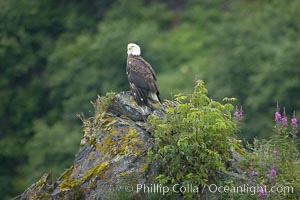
(148,66)
(142,79)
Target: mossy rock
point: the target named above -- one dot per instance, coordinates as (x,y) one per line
(112,154)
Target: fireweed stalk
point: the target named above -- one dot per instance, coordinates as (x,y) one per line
(277,116)
(281,124)
(282,121)
(273,172)
(294,125)
(238,114)
(272,176)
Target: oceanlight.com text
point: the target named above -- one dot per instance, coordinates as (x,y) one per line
(248,189)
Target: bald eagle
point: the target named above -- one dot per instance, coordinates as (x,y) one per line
(141,77)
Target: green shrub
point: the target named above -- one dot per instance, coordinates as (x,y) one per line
(194,140)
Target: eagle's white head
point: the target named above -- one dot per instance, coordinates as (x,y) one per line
(133,49)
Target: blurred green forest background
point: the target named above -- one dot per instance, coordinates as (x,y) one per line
(57,55)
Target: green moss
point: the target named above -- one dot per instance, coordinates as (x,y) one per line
(113,141)
(67,173)
(102,103)
(95,171)
(118,143)
(41,189)
(43,180)
(68,183)
(107,121)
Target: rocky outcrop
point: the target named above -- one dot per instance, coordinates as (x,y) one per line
(111,159)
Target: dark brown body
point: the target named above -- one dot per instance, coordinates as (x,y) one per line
(142,79)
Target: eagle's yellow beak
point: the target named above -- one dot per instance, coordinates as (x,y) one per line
(129,47)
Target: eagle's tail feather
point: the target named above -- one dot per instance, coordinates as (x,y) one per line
(155,97)
(141,97)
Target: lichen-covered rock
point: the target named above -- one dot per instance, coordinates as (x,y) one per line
(112,155)
(38,190)
(112,159)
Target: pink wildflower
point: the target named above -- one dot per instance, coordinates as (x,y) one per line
(261,192)
(273,172)
(284,120)
(294,121)
(277,113)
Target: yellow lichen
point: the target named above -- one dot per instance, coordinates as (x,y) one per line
(42,181)
(67,173)
(120,144)
(143,168)
(123,174)
(95,170)
(68,183)
(91,156)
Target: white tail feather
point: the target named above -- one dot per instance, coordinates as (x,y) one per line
(154,97)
